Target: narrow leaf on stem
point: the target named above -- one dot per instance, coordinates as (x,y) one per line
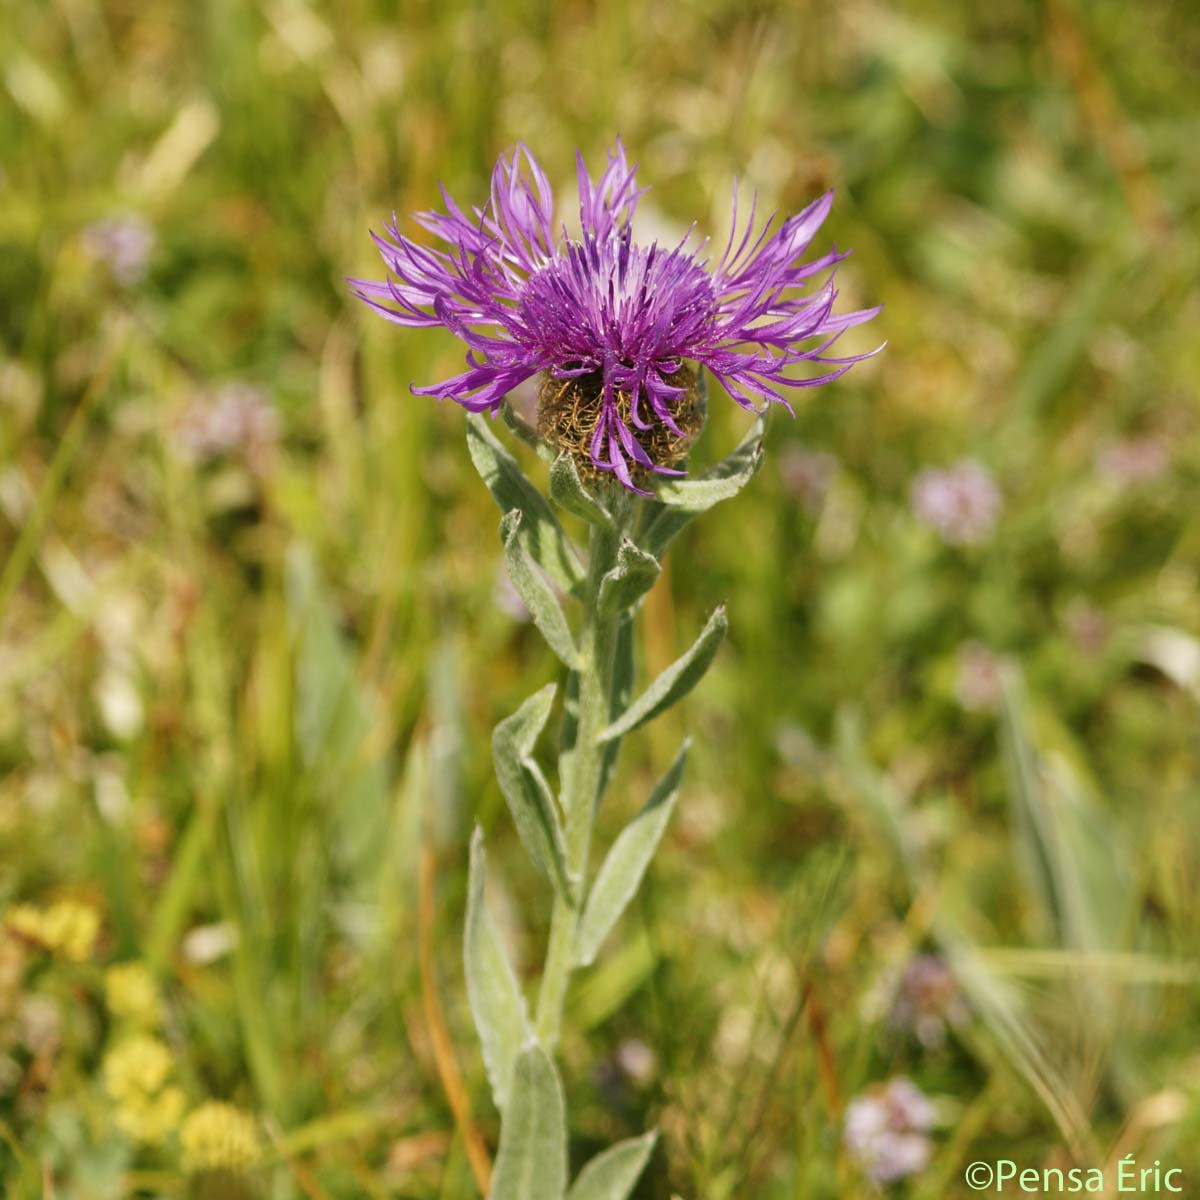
(613,1174)
(567,490)
(532,1161)
(541,534)
(526,790)
(678,501)
(501,1017)
(625,865)
(537,594)
(675,682)
(634,575)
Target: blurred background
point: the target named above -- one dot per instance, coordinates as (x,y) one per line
(930,895)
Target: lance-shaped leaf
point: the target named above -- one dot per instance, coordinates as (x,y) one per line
(532,1161)
(537,594)
(625,865)
(567,491)
(541,534)
(675,682)
(520,428)
(633,576)
(526,790)
(678,501)
(501,1018)
(612,1174)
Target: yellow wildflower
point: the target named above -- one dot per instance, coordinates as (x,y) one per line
(132,994)
(136,1074)
(219,1137)
(66,928)
(150,1119)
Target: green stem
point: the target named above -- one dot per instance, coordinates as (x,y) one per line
(582,768)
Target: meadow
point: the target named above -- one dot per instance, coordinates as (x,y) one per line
(937,856)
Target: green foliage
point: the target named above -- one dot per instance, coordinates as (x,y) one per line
(675,682)
(612,1174)
(243,692)
(532,1160)
(497,1005)
(525,788)
(623,867)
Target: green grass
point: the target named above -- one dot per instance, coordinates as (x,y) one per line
(245,694)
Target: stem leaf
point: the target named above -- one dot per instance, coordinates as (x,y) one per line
(612,1174)
(526,790)
(501,1017)
(676,502)
(541,535)
(634,575)
(532,1160)
(625,865)
(675,682)
(537,594)
(567,491)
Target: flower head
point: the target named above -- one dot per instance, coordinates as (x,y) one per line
(219,1137)
(131,994)
(962,503)
(886,1130)
(613,324)
(137,1075)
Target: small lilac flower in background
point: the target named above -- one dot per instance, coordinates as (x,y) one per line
(1088,628)
(1134,460)
(124,242)
(961,503)
(886,1130)
(807,475)
(240,419)
(618,330)
(979,684)
(928,1000)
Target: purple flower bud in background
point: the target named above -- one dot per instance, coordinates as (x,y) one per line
(928,1000)
(612,325)
(124,242)
(1134,460)
(885,1130)
(807,475)
(961,503)
(240,419)
(979,681)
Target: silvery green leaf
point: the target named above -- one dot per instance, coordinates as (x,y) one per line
(612,1174)
(541,535)
(678,501)
(520,428)
(532,1160)
(634,575)
(626,863)
(497,1005)
(526,790)
(675,682)
(567,491)
(537,594)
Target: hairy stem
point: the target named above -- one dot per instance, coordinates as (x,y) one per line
(582,768)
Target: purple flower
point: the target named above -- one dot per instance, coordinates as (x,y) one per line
(807,475)
(240,418)
(125,243)
(610,318)
(962,503)
(928,999)
(886,1128)
(1134,460)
